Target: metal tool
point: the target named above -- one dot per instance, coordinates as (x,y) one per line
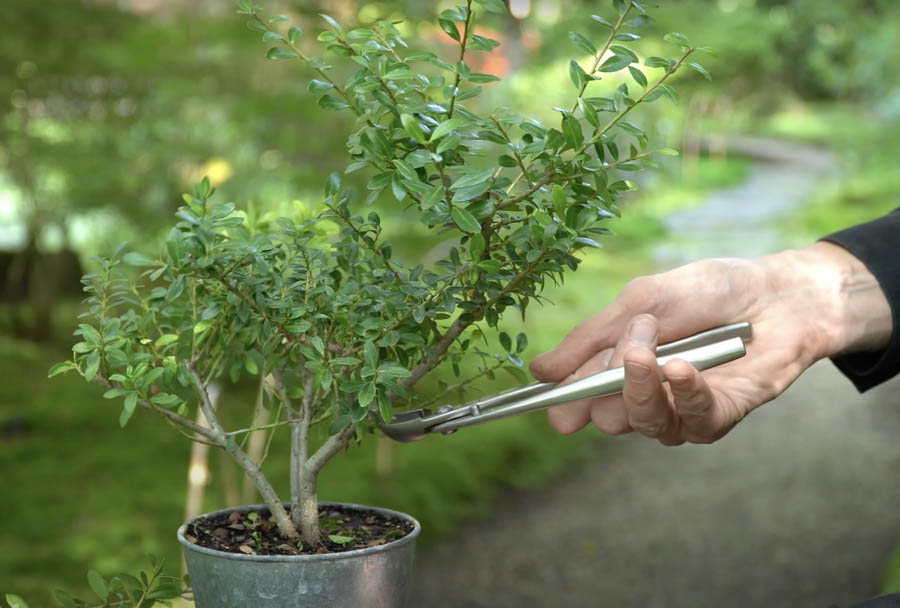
(704,350)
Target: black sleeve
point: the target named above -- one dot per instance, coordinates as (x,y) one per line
(877,245)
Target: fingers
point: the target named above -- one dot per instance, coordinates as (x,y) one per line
(596,334)
(700,416)
(571,417)
(646,401)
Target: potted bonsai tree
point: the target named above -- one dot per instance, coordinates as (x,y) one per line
(340,329)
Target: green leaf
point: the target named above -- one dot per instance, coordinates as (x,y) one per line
(341,540)
(465,220)
(667,152)
(700,69)
(431,199)
(449,28)
(366,395)
(332,183)
(521,342)
(576,74)
(560,200)
(473,178)
(128,409)
(446,127)
(93,366)
(493,6)
(370,354)
(583,43)
(676,38)
(334,24)
(61,368)
(133,258)
(413,128)
(615,63)
(294,33)
(278,52)
(166,339)
(330,102)
(385,408)
(600,19)
(572,131)
(476,246)
(626,37)
(15,601)
(480,77)
(168,399)
(98,584)
(278,18)
(638,76)
(345,361)
(270,36)
(318,86)
(505,341)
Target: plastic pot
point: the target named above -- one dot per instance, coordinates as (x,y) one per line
(373,577)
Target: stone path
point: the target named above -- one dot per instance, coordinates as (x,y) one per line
(799,506)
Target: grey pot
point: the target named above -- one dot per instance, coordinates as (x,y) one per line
(375,577)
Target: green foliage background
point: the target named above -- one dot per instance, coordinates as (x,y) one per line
(108,111)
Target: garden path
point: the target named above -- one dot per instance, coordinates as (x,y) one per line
(797,507)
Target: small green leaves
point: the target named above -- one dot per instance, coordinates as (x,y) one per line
(332,183)
(583,43)
(679,39)
(128,409)
(446,127)
(61,368)
(493,6)
(413,128)
(577,75)
(317,87)
(699,69)
(98,584)
(294,34)
(464,220)
(473,178)
(277,52)
(330,102)
(15,601)
(341,540)
(560,200)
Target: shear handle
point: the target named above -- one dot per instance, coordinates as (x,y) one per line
(604,383)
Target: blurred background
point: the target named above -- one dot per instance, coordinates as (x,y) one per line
(109,110)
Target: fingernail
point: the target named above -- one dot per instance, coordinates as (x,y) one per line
(637,372)
(642,333)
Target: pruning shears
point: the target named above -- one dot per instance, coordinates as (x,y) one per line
(703,350)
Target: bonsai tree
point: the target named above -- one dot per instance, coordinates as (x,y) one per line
(316,303)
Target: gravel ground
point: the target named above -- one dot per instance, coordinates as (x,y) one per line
(797,507)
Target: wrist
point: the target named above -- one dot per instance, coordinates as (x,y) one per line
(845,307)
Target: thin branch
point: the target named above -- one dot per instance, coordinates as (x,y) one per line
(251,468)
(332,446)
(172,416)
(462,54)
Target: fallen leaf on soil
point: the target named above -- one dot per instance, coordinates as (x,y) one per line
(220,532)
(376,542)
(246,549)
(191,539)
(234,517)
(287,547)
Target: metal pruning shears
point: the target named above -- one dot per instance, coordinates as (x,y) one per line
(704,350)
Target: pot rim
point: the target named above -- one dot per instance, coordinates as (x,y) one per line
(389,546)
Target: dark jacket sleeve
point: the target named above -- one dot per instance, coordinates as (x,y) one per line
(877,245)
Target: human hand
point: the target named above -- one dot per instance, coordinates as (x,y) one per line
(804,305)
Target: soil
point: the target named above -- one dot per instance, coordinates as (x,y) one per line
(255,533)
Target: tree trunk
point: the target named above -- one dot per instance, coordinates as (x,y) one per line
(305,508)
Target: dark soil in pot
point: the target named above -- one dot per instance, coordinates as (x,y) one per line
(255,533)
